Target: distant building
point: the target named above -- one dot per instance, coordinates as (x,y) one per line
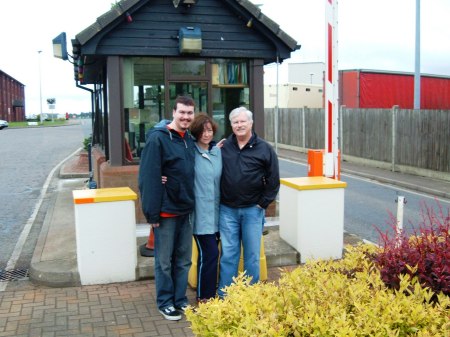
(293,95)
(12,99)
(360,88)
(299,85)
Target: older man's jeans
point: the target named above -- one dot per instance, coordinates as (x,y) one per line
(173,254)
(238,225)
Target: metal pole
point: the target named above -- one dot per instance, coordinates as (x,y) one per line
(401,200)
(303,127)
(417,60)
(276,112)
(40,86)
(394,110)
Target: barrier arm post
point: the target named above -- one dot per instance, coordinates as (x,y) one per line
(331,157)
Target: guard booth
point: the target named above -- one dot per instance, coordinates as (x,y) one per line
(139,56)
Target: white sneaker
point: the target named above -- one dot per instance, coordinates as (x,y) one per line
(170,313)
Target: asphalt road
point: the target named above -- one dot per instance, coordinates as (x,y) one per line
(369,204)
(27,157)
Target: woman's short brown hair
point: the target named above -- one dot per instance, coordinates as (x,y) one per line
(198,124)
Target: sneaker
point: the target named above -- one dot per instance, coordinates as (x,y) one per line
(170,313)
(182,308)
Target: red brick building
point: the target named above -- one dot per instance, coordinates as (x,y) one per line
(12,99)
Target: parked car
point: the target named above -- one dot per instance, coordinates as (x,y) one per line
(3,124)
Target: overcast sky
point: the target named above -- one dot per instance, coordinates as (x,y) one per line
(377,35)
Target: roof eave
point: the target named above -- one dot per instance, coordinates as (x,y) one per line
(269,23)
(104,20)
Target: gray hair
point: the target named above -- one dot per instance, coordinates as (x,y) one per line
(237,111)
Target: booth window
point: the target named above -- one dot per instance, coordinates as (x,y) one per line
(187,68)
(151,85)
(144,102)
(230,90)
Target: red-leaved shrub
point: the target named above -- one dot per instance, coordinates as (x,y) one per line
(425,254)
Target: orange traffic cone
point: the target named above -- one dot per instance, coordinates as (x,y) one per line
(151,240)
(147,249)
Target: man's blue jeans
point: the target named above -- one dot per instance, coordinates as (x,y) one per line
(238,225)
(173,254)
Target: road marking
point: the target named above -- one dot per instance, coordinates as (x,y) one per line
(394,187)
(26,230)
(355,175)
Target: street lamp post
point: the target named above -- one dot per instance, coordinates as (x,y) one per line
(40,86)
(311,77)
(417,59)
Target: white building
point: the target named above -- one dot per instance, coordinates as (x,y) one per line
(299,85)
(293,95)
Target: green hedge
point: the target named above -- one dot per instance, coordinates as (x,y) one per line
(325,298)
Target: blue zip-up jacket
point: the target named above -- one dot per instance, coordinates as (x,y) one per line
(208,169)
(166,153)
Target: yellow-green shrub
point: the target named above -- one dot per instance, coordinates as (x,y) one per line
(325,298)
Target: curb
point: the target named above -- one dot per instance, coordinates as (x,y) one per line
(55,273)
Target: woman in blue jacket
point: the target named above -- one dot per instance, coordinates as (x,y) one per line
(208,170)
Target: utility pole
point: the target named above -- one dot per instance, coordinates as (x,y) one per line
(417,60)
(40,86)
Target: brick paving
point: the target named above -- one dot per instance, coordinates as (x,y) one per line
(119,309)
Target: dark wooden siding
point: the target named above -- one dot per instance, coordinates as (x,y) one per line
(155,26)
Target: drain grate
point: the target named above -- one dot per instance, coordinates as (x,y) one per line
(13,275)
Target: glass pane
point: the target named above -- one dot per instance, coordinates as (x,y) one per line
(197,90)
(143,101)
(188,68)
(229,72)
(224,100)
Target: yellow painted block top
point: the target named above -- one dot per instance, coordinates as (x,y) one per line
(312,183)
(103,195)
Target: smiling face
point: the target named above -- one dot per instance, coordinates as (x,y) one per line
(182,117)
(242,125)
(206,136)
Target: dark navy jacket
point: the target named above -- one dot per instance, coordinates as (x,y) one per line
(166,154)
(250,176)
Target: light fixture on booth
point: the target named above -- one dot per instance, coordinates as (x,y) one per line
(186,3)
(190,39)
(60,46)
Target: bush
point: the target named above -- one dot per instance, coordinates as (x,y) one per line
(86,143)
(325,298)
(424,255)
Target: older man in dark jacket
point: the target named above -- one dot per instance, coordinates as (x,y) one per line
(250,182)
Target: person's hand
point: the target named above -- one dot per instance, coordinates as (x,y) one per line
(220,143)
(163,179)
(154,225)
